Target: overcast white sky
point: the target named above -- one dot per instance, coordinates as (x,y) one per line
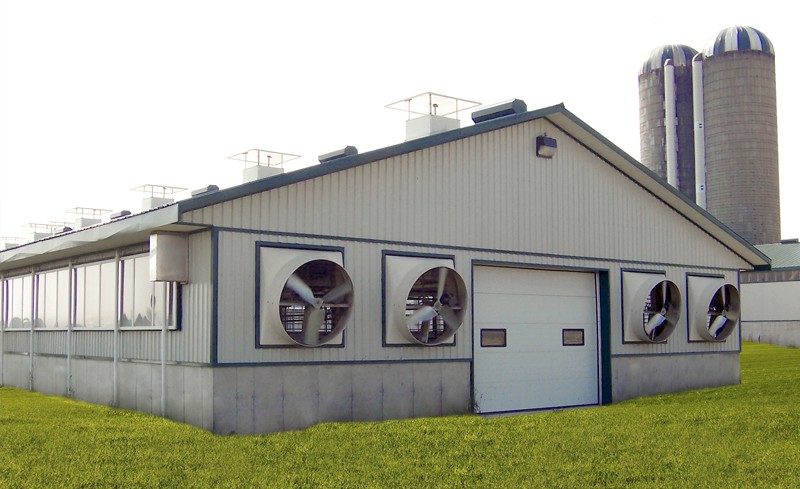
(99,97)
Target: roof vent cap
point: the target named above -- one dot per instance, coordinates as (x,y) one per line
(503,109)
(339,153)
(205,190)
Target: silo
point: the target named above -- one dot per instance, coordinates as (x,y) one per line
(665,102)
(741,133)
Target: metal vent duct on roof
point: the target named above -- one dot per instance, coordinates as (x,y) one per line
(339,153)
(512,107)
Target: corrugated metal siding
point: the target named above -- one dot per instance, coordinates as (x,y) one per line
(486,191)
(95,344)
(486,197)
(16,341)
(51,342)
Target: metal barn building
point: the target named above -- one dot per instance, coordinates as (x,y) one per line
(521,263)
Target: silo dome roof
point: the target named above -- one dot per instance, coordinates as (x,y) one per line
(680,55)
(738,38)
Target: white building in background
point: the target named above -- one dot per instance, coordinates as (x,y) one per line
(524,262)
(771,298)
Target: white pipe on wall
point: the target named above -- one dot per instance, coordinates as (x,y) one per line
(671,123)
(33,327)
(699,131)
(115,375)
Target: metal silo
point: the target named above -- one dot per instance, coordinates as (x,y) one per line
(741,133)
(665,115)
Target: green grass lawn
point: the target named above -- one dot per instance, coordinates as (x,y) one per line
(738,436)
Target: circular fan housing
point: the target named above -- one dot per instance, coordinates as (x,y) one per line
(661,312)
(434,306)
(722,315)
(316,302)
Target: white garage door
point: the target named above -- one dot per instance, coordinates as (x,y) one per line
(535,339)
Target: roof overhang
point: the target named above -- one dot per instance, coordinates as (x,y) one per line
(121,232)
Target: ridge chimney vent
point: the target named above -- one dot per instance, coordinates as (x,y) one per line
(87,216)
(434,113)
(157,195)
(260,163)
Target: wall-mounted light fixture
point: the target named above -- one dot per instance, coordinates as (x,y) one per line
(545,146)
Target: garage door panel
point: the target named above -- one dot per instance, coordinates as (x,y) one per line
(533,309)
(535,369)
(533,282)
(537,338)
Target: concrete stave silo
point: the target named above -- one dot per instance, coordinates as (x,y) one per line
(741,129)
(725,154)
(655,76)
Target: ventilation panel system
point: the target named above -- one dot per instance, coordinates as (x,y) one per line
(713,310)
(652,307)
(154,196)
(260,164)
(426,300)
(431,113)
(306,297)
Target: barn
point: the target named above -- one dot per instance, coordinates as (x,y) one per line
(520,263)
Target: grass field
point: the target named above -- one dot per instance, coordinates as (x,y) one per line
(739,436)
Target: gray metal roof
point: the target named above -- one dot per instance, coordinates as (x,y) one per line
(784,255)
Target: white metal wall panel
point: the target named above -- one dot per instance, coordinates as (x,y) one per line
(770,301)
(535,370)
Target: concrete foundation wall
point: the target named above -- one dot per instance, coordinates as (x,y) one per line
(781,333)
(262,399)
(638,376)
(16,370)
(189,392)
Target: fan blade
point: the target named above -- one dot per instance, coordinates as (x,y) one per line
(725,304)
(425,331)
(337,292)
(425,313)
(450,317)
(717,325)
(442,280)
(313,319)
(300,288)
(654,322)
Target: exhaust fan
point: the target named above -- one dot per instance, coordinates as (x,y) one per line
(652,305)
(306,297)
(715,309)
(426,300)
